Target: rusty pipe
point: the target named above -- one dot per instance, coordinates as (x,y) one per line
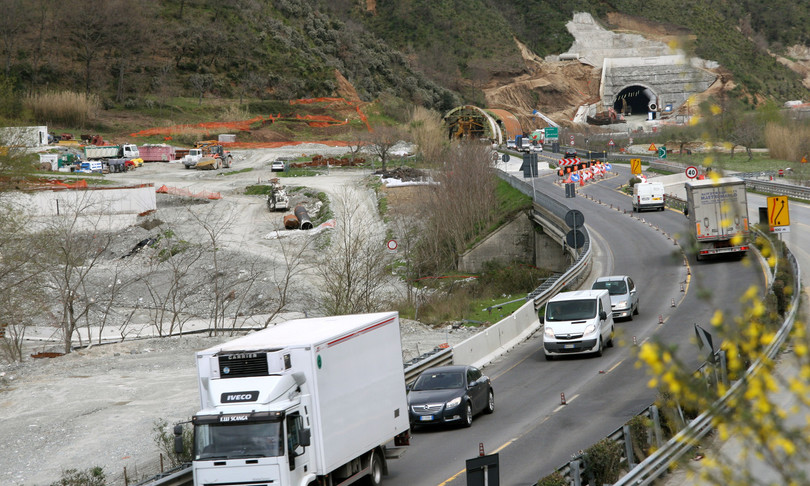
(303,217)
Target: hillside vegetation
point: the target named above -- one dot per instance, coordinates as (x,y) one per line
(139,54)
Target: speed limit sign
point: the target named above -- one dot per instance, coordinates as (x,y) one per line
(392,245)
(691,172)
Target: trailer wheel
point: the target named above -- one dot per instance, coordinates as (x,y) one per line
(375,470)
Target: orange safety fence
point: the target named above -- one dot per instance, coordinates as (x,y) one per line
(177,191)
(245,125)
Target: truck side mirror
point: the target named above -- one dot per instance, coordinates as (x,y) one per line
(178,439)
(305,437)
(602,315)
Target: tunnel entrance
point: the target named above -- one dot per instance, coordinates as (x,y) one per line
(635,100)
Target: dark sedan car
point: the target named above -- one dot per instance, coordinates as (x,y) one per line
(449,394)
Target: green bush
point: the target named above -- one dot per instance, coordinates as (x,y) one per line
(164,438)
(89,477)
(553,479)
(639,436)
(603,462)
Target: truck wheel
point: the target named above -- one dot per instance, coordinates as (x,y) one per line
(468,415)
(375,471)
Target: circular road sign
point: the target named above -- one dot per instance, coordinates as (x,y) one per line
(574,218)
(505,157)
(575,239)
(392,245)
(691,172)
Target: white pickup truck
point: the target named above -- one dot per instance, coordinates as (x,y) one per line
(190,160)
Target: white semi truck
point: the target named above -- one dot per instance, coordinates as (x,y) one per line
(718,215)
(308,402)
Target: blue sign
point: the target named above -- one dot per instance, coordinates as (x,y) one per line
(575,177)
(608,167)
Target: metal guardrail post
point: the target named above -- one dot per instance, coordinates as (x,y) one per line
(628,446)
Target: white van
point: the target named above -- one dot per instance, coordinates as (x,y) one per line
(648,195)
(577,322)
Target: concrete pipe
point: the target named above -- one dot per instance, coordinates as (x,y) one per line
(651,104)
(303,217)
(291,222)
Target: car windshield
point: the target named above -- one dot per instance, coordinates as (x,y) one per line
(223,441)
(614,287)
(439,381)
(571,310)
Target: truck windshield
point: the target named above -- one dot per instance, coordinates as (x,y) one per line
(570,310)
(228,441)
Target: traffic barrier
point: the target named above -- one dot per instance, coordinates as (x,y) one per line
(562,399)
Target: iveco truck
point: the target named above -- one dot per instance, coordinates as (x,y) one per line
(319,401)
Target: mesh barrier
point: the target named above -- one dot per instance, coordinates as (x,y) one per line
(177,191)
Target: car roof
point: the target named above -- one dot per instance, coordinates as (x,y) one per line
(444,369)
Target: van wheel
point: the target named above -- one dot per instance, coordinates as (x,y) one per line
(549,357)
(635,311)
(610,340)
(601,349)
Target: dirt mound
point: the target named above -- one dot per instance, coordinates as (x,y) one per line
(405,174)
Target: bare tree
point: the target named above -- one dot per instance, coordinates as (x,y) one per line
(20,298)
(353,268)
(72,250)
(88,34)
(11,23)
(747,133)
(41,10)
(201,84)
(381,141)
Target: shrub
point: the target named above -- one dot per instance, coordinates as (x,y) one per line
(89,477)
(553,479)
(164,438)
(66,107)
(602,462)
(639,436)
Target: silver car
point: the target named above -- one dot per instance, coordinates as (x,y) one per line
(623,295)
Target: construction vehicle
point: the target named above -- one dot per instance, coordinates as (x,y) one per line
(278,198)
(214,156)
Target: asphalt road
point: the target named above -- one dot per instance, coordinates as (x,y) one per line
(530,429)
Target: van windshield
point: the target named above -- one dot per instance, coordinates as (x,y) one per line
(614,287)
(571,310)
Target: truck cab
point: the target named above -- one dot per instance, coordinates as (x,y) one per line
(130,151)
(190,160)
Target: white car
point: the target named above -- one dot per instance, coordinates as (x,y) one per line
(278,166)
(623,295)
(535,148)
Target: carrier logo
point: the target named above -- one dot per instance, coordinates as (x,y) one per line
(242,356)
(236,397)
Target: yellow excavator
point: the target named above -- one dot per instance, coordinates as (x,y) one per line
(214,156)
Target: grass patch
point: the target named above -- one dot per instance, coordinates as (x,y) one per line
(739,163)
(240,171)
(259,190)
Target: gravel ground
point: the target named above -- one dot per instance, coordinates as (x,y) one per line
(98,406)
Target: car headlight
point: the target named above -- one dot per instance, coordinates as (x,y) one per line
(589,329)
(549,332)
(622,304)
(454,402)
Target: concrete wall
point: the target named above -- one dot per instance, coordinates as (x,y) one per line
(513,242)
(497,339)
(101,201)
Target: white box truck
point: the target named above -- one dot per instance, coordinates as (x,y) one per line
(718,216)
(310,401)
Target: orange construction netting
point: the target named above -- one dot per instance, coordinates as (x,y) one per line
(177,191)
(245,125)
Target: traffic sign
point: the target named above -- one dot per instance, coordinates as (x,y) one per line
(551,133)
(652,148)
(392,245)
(635,166)
(691,172)
(575,239)
(611,142)
(662,152)
(778,214)
(574,218)
(505,157)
